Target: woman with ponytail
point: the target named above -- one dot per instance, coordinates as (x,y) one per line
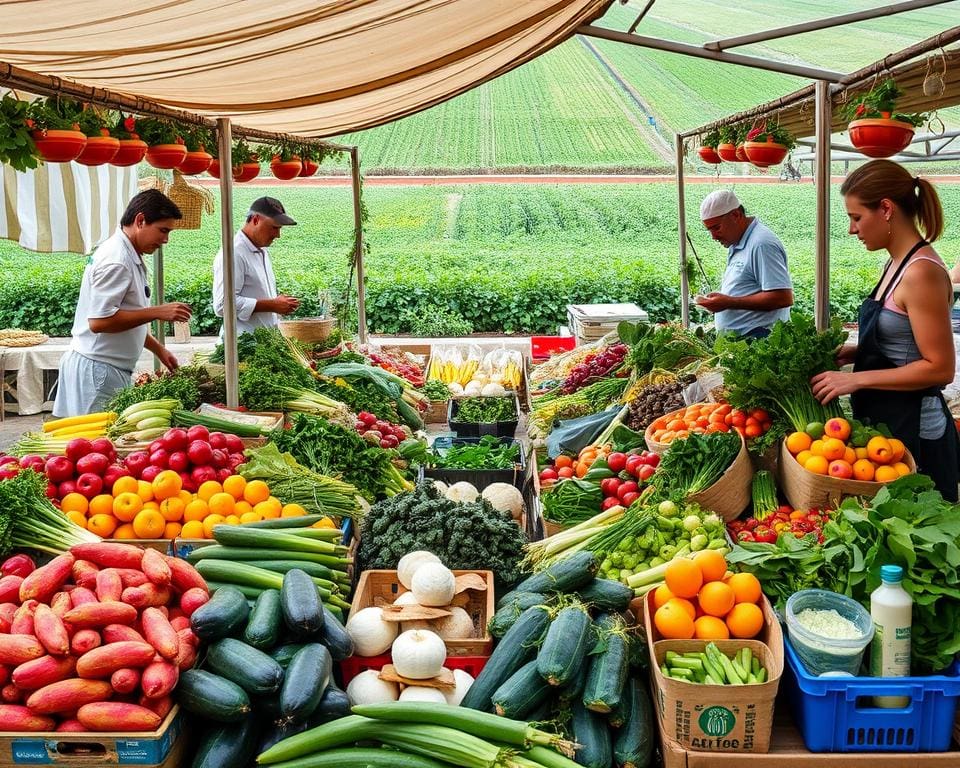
(904,354)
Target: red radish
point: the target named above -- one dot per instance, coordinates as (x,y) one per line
(131,577)
(125,680)
(71,726)
(78,448)
(116,633)
(159,633)
(22,623)
(161,706)
(84,640)
(58,469)
(4,626)
(44,582)
(118,716)
(184,578)
(109,586)
(173,613)
(100,614)
(155,567)
(176,439)
(218,440)
(234,443)
(37,673)
(10,588)
(180,622)
(51,631)
(146,596)
(83,596)
(159,679)
(109,555)
(10,694)
(107,659)
(198,432)
(16,649)
(85,573)
(5,674)
(14,717)
(188,636)
(67,695)
(61,603)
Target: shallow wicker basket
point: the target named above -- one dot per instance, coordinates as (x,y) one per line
(308,329)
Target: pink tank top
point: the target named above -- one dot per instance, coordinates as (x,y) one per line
(889,303)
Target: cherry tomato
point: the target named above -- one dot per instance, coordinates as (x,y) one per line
(617,461)
(746,536)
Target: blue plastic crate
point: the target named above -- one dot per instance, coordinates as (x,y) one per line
(836,714)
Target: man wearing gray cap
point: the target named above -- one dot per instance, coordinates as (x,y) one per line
(756,290)
(254,285)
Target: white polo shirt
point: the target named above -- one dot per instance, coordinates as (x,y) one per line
(115,279)
(252,279)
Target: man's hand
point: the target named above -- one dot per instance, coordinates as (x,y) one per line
(284,305)
(168,359)
(714,302)
(174,312)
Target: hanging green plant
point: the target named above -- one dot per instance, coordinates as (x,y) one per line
(156,131)
(55,114)
(771,131)
(283,151)
(711,139)
(124,127)
(198,138)
(243,153)
(881,102)
(16,145)
(727,134)
(94,120)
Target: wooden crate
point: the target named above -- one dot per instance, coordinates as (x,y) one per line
(163,748)
(378,588)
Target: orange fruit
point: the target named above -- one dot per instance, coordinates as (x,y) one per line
(716,598)
(74,502)
(324,522)
(688,606)
(673,622)
(683,577)
(152,505)
(242,507)
(255,492)
(817,464)
(166,485)
(746,587)
(712,564)
(125,531)
(208,522)
(171,530)
(661,595)
(850,455)
(172,509)
(231,520)
(234,485)
(149,524)
(101,505)
(195,511)
(861,453)
(902,469)
(186,497)
(745,620)
(802,457)
(885,474)
(863,470)
(125,484)
(879,450)
(898,449)
(833,449)
(145,490)
(250,517)
(207,489)
(102,524)
(292,510)
(221,504)
(192,529)
(126,506)
(269,509)
(77,518)
(710,628)
(838,428)
(816,448)
(798,441)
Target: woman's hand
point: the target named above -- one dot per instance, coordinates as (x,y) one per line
(829,385)
(846,354)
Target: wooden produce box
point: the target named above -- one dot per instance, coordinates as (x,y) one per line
(163,748)
(379,588)
(589,322)
(436,412)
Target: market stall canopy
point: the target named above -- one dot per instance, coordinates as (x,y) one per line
(296,66)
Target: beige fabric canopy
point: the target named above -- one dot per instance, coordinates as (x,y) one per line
(298,66)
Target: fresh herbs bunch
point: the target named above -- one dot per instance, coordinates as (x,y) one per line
(696,462)
(881,101)
(486,410)
(669,346)
(179,385)
(436,390)
(487,453)
(571,501)
(16,145)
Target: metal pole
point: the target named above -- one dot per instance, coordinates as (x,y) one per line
(226,238)
(358,246)
(160,327)
(682,224)
(822,180)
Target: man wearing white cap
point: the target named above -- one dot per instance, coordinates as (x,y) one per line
(756,290)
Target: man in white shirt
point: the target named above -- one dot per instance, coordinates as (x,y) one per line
(113,311)
(254,285)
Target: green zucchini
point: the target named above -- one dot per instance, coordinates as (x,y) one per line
(263,626)
(609,665)
(305,682)
(228,746)
(564,649)
(512,595)
(633,745)
(222,615)
(238,536)
(364,757)
(251,669)
(566,575)
(335,636)
(241,554)
(606,595)
(514,650)
(251,593)
(283,654)
(303,521)
(313,569)
(333,704)
(211,696)
(521,693)
(592,733)
(301,605)
(509,612)
(574,687)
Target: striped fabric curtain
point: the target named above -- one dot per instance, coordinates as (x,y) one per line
(64,206)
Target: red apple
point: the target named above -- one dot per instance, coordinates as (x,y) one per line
(89,484)
(176,440)
(58,469)
(78,448)
(96,463)
(114,472)
(32,461)
(234,443)
(200,453)
(136,462)
(224,473)
(217,440)
(67,486)
(104,446)
(197,432)
(159,458)
(178,461)
(150,472)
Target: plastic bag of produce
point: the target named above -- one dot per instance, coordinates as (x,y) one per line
(575,434)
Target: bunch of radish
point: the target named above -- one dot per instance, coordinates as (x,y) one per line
(95,639)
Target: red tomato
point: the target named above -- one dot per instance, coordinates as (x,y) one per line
(610,501)
(760,415)
(745,536)
(653,459)
(634,463)
(565,472)
(610,485)
(627,488)
(766,535)
(548,474)
(617,461)
(645,472)
(629,498)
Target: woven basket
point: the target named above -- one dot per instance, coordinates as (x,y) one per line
(192,201)
(16,337)
(729,496)
(308,329)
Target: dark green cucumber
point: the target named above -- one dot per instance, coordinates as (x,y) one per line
(283,654)
(222,615)
(521,693)
(606,595)
(333,704)
(633,745)
(363,757)
(514,650)
(564,650)
(301,605)
(251,669)
(335,637)
(305,682)
(574,688)
(592,733)
(513,595)
(211,696)
(609,666)
(228,746)
(263,626)
(566,575)
(304,521)
(509,612)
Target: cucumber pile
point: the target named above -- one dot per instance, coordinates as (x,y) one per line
(565,655)
(267,673)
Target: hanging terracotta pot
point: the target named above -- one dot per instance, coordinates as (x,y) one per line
(309,168)
(246,172)
(59,146)
(99,149)
(764,153)
(195,162)
(166,156)
(741,153)
(214,169)
(727,152)
(880,136)
(131,151)
(708,155)
(286,169)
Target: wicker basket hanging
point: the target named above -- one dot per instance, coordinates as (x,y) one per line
(192,201)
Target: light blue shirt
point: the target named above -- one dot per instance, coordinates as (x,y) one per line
(757,263)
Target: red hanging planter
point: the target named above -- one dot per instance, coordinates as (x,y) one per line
(59,146)
(99,150)
(741,153)
(214,168)
(166,156)
(131,151)
(727,152)
(764,153)
(309,168)
(709,155)
(285,169)
(246,172)
(880,136)
(195,162)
